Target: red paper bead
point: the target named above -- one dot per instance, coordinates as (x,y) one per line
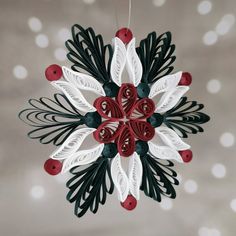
(130,203)
(52,167)
(186,155)
(125,35)
(53,72)
(186,79)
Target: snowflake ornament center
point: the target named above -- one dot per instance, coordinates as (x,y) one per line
(125,119)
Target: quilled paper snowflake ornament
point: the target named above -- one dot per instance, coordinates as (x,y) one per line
(141,120)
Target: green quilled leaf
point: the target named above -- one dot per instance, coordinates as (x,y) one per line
(88,53)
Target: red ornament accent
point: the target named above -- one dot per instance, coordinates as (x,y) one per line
(52,167)
(127,97)
(53,72)
(130,203)
(186,155)
(186,79)
(108,108)
(125,35)
(108,131)
(143,109)
(142,130)
(126,119)
(126,142)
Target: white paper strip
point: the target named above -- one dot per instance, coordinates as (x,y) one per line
(119,178)
(164,152)
(133,65)
(72,144)
(170,99)
(83,157)
(170,138)
(74,95)
(83,81)
(118,61)
(165,83)
(135,175)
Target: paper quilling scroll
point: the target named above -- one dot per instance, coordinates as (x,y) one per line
(140,115)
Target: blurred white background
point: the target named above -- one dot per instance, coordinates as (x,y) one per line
(33,33)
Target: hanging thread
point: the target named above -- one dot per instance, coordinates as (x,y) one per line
(129,15)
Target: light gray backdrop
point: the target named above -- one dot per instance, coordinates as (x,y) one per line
(32,35)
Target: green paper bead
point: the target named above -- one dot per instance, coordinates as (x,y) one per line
(92,119)
(111,89)
(141,147)
(143,90)
(109,150)
(156,119)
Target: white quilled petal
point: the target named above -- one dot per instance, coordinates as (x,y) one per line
(170,98)
(135,175)
(165,83)
(74,95)
(82,158)
(133,64)
(118,61)
(164,152)
(83,81)
(72,144)
(119,178)
(170,138)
